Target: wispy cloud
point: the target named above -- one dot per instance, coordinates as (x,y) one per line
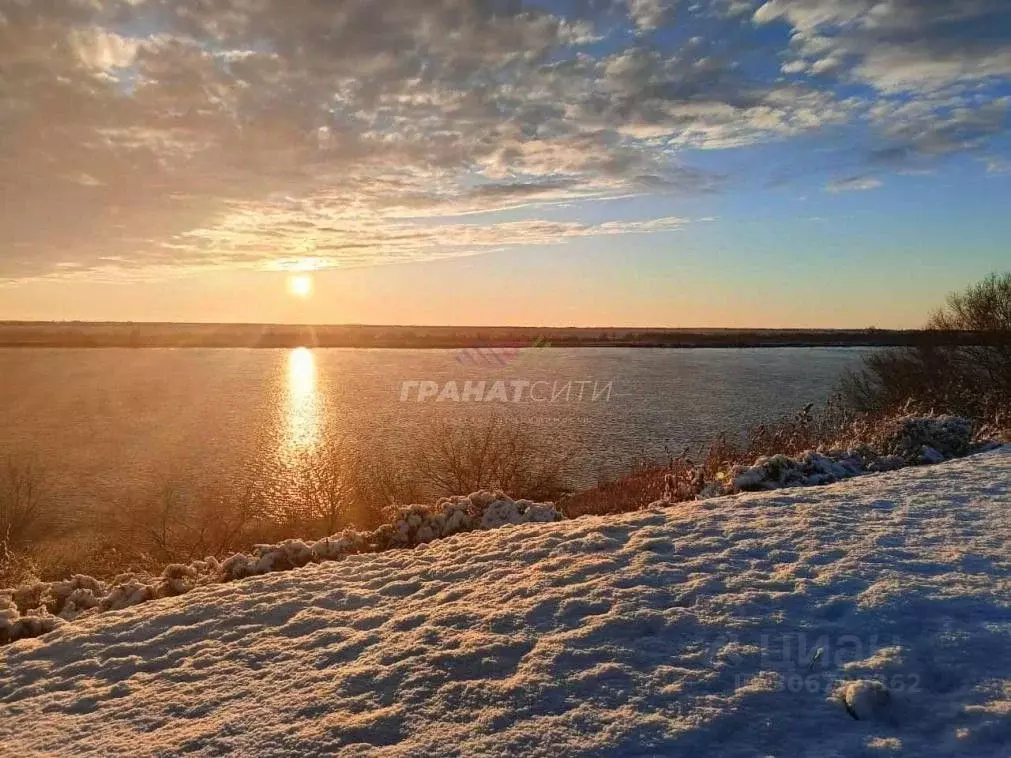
(996,164)
(854,184)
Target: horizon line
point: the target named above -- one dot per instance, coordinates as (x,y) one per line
(358,325)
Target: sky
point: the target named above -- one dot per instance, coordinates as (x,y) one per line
(668,163)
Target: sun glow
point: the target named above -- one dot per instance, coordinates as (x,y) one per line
(300,285)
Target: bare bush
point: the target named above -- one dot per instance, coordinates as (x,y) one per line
(983,307)
(332,489)
(646,481)
(380,482)
(181,525)
(496,455)
(340,486)
(22,505)
(322,494)
(25,519)
(972,380)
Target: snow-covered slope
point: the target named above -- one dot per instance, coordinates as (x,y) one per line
(728,627)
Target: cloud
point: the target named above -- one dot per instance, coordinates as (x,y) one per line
(897,45)
(101,50)
(121,143)
(854,184)
(996,164)
(160,133)
(292,235)
(649,14)
(939,68)
(933,127)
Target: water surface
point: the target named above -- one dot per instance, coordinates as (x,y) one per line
(109,425)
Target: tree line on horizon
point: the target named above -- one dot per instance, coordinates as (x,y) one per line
(80,334)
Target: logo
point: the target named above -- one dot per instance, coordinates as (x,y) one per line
(495,357)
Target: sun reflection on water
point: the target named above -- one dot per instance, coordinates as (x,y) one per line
(303,406)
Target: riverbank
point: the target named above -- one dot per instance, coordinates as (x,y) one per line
(740,625)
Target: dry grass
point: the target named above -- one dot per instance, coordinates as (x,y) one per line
(682,477)
(646,482)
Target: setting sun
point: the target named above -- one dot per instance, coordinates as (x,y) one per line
(300,285)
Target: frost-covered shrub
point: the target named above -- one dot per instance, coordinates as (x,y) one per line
(176,579)
(893,444)
(885,463)
(809,469)
(130,591)
(39,607)
(267,558)
(32,623)
(334,548)
(502,512)
(72,596)
(480,510)
(908,437)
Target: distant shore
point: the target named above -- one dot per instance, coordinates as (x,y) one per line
(172,335)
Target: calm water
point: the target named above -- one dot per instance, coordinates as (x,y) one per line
(111,425)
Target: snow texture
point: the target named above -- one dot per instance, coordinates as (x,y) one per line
(40,607)
(871,617)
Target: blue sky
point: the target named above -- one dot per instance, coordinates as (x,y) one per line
(586,162)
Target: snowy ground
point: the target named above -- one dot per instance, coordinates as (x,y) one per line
(725,628)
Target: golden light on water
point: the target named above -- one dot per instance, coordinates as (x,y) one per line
(300,285)
(302,411)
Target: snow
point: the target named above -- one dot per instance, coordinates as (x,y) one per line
(871,617)
(906,440)
(40,607)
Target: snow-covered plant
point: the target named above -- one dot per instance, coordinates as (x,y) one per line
(909,436)
(839,444)
(15,625)
(900,441)
(39,607)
